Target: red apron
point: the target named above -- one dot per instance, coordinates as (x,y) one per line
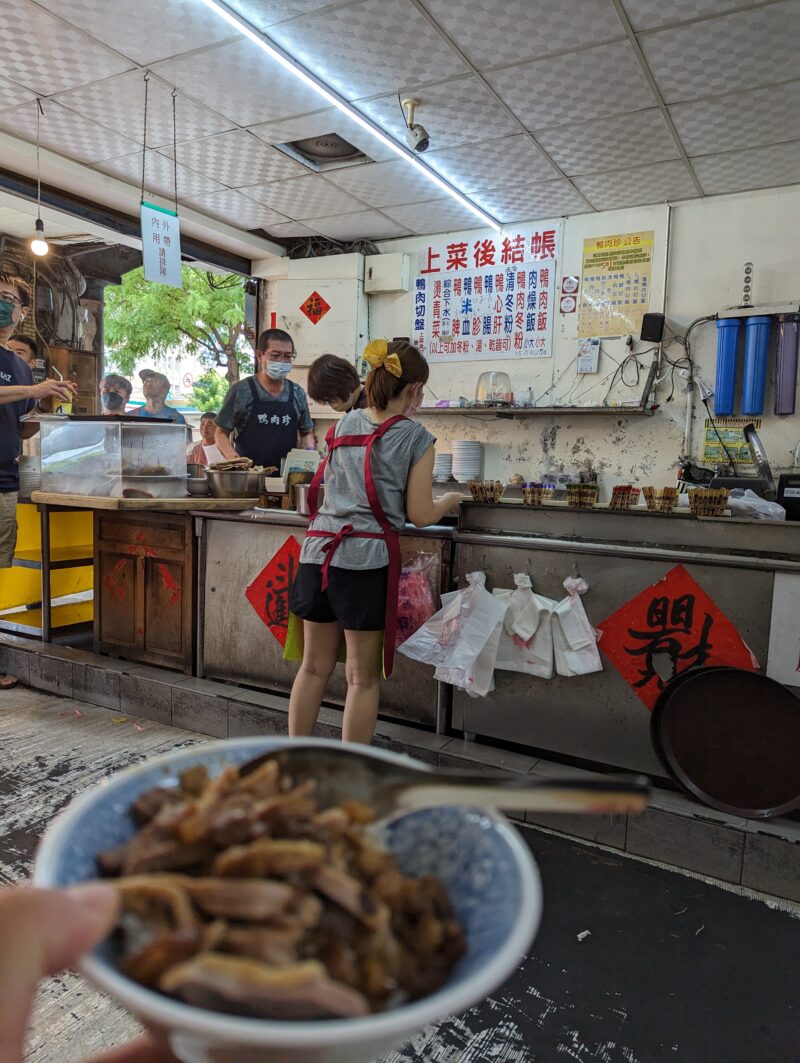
(387,532)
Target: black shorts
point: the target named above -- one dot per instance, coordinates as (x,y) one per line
(355,598)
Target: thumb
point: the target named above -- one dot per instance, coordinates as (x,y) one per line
(42,932)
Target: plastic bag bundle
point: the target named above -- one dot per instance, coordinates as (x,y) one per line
(526,641)
(574,638)
(416,602)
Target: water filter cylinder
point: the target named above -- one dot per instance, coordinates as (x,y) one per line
(727,348)
(756,354)
(786,363)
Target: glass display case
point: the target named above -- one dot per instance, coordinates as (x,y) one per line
(113,457)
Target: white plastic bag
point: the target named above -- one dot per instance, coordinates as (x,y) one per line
(461,639)
(574,638)
(526,641)
(751,506)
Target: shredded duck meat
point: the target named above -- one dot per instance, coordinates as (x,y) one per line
(241,895)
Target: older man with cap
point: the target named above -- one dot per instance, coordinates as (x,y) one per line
(155,387)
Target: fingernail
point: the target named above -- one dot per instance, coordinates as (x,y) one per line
(94,898)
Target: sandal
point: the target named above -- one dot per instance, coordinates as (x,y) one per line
(7,682)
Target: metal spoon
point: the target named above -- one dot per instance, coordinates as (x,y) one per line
(343,774)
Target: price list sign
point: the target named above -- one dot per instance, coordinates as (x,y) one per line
(615,286)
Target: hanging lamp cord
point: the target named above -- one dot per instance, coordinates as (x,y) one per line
(39,115)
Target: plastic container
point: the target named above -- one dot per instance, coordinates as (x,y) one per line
(727,352)
(786,363)
(756,355)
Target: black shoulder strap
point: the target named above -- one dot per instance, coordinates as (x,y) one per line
(253,388)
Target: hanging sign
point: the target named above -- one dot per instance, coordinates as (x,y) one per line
(783,661)
(161,245)
(485,298)
(269,592)
(615,286)
(315,308)
(670,627)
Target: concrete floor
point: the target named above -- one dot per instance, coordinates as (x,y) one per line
(674,968)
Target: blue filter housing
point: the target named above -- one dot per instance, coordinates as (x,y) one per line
(756,354)
(727,348)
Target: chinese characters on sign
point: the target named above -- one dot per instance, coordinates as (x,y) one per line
(269,592)
(161,246)
(615,287)
(487,297)
(315,308)
(668,628)
(731,431)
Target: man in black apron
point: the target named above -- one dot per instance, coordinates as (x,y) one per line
(266,415)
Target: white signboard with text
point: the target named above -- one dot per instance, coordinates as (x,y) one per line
(486,298)
(161,245)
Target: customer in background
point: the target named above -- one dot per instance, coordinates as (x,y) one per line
(379,473)
(266,415)
(155,387)
(25,347)
(206,452)
(334,382)
(115,393)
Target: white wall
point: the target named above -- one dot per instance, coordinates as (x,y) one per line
(709,242)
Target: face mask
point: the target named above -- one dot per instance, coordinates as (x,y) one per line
(278,370)
(7,311)
(111,400)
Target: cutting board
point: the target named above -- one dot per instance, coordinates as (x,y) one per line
(164,505)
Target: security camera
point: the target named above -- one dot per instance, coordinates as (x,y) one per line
(416,135)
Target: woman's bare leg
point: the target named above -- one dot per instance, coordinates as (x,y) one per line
(363,670)
(320,647)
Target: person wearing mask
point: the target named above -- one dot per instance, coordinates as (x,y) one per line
(378,474)
(334,382)
(266,415)
(206,452)
(24,347)
(115,393)
(18,396)
(155,388)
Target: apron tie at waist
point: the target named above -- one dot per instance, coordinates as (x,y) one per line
(335,540)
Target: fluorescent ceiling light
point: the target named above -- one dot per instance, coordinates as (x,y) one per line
(337,101)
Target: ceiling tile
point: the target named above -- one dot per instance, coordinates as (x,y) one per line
(12,95)
(574,88)
(159,176)
(236,158)
(638,184)
(264,13)
(382,184)
(522,202)
(370,47)
(736,52)
(46,55)
(492,34)
(236,209)
(738,171)
(741,119)
(146,30)
(64,131)
(438,216)
(477,165)
(458,112)
(330,120)
(304,197)
(364,225)
(650,14)
(290,230)
(605,143)
(241,82)
(118,103)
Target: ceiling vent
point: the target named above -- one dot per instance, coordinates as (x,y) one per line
(326,152)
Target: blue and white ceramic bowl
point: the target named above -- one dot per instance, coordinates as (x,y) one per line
(489,873)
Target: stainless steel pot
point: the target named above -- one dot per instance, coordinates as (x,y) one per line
(197,485)
(235,484)
(301,498)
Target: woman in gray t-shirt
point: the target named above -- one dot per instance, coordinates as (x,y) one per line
(349,565)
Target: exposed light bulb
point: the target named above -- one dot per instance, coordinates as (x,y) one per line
(39,245)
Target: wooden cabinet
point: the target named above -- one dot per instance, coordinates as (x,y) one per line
(144,587)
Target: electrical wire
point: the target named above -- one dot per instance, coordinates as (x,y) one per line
(719,437)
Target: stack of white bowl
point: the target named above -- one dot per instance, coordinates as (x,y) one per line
(467,456)
(443,468)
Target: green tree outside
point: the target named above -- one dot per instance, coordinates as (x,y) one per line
(209,391)
(205,317)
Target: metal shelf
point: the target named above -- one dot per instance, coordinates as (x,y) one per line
(60,557)
(534,411)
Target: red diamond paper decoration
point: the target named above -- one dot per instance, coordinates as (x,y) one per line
(315,308)
(670,627)
(269,592)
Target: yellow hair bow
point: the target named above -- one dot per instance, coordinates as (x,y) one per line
(376,354)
